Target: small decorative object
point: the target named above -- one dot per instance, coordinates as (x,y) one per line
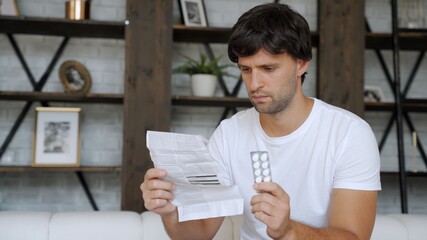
(7,158)
(204,74)
(203,85)
(193,12)
(9,8)
(77,9)
(373,94)
(75,77)
(411,14)
(56,139)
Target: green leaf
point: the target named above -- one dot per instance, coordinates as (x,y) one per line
(204,66)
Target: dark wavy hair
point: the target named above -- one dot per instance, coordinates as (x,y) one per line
(272,26)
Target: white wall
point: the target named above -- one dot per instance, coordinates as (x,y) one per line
(101,135)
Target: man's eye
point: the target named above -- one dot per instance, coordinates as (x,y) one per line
(245,70)
(268,69)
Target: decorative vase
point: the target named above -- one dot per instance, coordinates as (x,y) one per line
(203,85)
(77,9)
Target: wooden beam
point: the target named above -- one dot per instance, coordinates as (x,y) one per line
(147,100)
(340,64)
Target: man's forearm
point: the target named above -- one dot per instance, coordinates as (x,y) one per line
(301,232)
(195,229)
(181,230)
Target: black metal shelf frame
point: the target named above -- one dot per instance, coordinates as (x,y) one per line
(399,114)
(93,29)
(38,87)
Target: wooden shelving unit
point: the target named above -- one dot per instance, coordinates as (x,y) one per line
(180,33)
(116,30)
(65,29)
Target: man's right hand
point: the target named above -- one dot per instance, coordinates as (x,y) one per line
(157,193)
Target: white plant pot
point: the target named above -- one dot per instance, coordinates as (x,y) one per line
(203,85)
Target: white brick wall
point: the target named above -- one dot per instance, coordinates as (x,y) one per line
(101,129)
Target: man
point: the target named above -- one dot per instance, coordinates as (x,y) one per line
(324,160)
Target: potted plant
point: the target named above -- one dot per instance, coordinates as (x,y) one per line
(203,73)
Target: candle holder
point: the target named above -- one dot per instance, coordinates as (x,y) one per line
(77,9)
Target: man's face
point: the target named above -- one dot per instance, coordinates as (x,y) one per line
(271,80)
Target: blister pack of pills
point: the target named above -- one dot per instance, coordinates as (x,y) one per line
(261,166)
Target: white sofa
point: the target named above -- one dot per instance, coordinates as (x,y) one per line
(133,226)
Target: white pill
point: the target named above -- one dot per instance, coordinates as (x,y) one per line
(257,172)
(255,157)
(266,172)
(257,165)
(258,179)
(264,156)
(265,165)
(267,179)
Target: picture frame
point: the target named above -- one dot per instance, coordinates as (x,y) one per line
(56,137)
(75,77)
(373,94)
(193,13)
(9,8)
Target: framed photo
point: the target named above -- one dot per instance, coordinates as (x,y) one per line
(373,94)
(9,8)
(193,13)
(75,77)
(56,138)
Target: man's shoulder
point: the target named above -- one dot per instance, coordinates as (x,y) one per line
(339,119)
(242,117)
(336,112)
(240,122)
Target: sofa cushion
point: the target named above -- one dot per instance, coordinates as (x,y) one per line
(152,227)
(416,225)
(95,226)
(24,225)
(387,227)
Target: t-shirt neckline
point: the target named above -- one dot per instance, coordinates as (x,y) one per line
(299,131)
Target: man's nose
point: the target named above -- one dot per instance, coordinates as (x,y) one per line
(255,81)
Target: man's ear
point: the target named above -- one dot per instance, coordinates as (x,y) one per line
(302,66)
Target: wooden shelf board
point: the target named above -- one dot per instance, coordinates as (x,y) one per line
(187,34)
(60,169)
(408,41)
(407,106)
(408,174)
(61,97)
(413,30)
(62,27)
(210,101)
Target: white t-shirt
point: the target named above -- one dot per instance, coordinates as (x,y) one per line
(333,148)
